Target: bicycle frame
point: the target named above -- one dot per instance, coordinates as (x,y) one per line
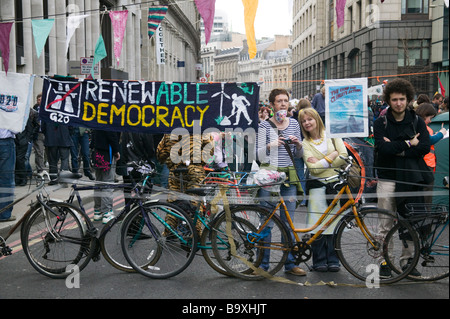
(350,202)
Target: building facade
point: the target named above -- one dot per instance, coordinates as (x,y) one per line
(181,34)
(377,41)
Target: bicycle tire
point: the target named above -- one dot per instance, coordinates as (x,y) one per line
(364,261)
(111,247)
(171,250)
(247,258)
(433,263)
(208,253)
(52,243)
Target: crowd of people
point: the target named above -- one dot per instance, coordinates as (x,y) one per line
(290,139)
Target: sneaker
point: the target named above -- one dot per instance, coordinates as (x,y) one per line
(98,216)
(107,217)
(385,270)
(414,272)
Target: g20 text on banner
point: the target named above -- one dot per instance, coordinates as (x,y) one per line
(152,107)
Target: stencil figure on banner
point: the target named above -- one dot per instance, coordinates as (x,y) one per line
(151,107)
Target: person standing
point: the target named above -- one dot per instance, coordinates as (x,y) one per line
(23,140)
(106,154)
(438,99)
(273,135)
(318,103)
(58,143)
(38,139)
(401,142)
(80,138)
(7,163)
(321,156)
(427,111)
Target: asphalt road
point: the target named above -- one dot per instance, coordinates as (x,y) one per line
(197,285)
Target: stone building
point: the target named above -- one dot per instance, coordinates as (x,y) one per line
(377,40)
(181,32)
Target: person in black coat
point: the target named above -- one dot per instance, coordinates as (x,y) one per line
(401,141)
(22,141)
(139,148)
(58,142)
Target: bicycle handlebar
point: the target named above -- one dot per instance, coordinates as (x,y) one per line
(342,172)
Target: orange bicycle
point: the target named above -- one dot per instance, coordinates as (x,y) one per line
(359,243)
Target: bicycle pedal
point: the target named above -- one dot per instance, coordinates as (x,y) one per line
(6,251)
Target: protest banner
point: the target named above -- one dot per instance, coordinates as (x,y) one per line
(16,92)
(152,107)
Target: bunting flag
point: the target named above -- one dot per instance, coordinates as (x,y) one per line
(155,15)
(16,96)
(441,87)
(207,10)
(41,30)
(5,31)
(99,54)
(340,12)
(73,22)
(250,7)
(119,23)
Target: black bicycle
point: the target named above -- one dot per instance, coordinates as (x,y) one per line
(52,234)
(59,234)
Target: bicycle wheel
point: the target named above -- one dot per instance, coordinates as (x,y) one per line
(109,240)
(53,242)
(244,246)
(433,263)
(208,253)
(158,240)
(374,263)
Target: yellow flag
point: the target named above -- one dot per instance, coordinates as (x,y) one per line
(250,7)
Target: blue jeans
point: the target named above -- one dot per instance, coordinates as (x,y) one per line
(300,166)
(324,255)
(7,166)
(287,193)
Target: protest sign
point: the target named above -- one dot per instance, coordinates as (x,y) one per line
(346,109)
(16,92)
(153,107)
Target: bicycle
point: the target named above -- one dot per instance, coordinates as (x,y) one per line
(120,256)
(85,242)
(358,243)
(430,222)
(209,191)
(109,238)
(172,232)
(60,237)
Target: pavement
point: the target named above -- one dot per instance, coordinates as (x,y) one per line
(60,192)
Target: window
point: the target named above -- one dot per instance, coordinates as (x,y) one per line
(413,53)
(414,9)
(355,58)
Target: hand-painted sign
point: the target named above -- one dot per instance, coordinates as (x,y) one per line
(143,106)
(16,91)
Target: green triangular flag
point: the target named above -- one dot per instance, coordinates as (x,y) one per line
(99,54)
(41,30)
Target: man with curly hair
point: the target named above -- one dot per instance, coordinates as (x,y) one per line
(401,141)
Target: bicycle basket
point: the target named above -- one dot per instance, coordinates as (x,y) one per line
(219,178)
(234,194)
